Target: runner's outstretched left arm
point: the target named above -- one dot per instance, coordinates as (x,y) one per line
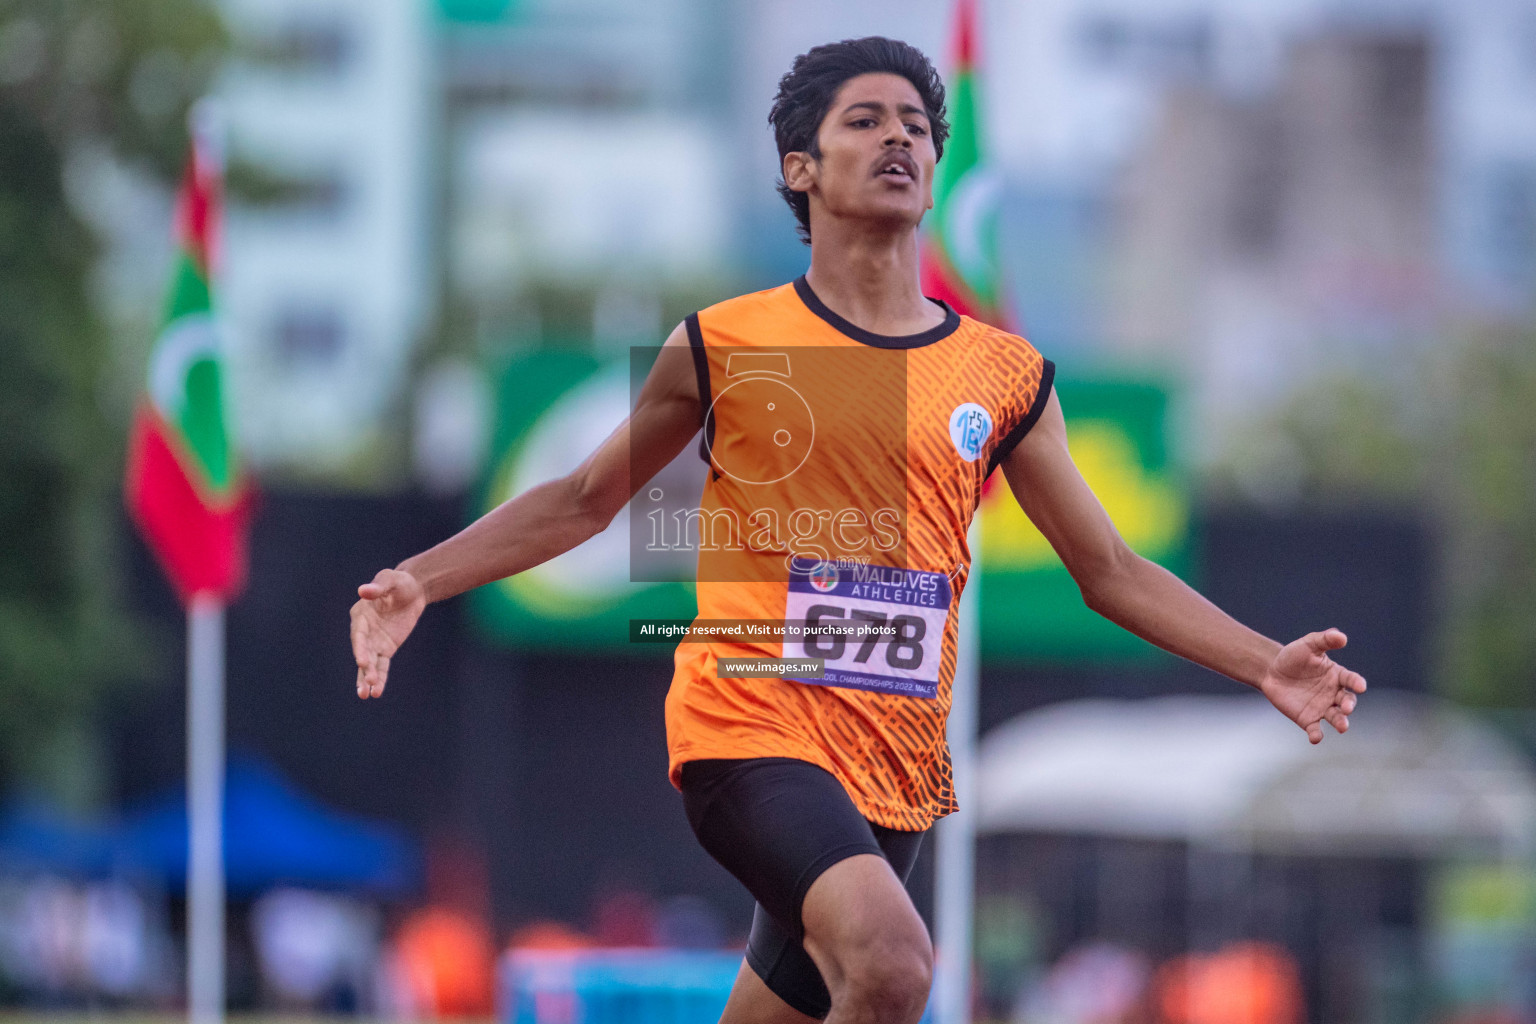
(1299,678)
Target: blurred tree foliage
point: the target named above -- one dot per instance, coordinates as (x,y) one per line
(1455,433)
(75,76)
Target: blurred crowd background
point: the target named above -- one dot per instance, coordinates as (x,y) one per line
(1283,253)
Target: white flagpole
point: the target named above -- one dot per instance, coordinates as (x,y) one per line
(955,866)
(205,810)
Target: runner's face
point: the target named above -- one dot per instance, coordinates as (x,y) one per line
(877,154)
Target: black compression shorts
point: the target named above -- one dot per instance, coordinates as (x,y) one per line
(777,823)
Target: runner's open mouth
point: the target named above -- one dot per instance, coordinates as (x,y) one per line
(898,167)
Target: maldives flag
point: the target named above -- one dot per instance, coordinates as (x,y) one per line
(959,241)
(185,488)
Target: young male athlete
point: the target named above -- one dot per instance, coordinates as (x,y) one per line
(849,423)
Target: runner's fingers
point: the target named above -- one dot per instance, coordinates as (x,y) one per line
(1338,719)
(360,652)
(382,584)
(1347,702)
(1355,681)
(1324,641)
(1315,732)
(380,673)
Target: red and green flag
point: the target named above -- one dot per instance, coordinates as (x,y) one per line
(185,487)
(959,240)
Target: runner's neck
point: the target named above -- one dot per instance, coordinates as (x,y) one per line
(872,281)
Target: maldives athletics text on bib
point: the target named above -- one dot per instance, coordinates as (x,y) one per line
(876,628)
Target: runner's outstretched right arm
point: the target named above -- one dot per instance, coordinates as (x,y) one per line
(537,525)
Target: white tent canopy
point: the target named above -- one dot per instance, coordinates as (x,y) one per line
(1413,776)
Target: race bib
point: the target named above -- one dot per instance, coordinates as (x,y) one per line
(874,627)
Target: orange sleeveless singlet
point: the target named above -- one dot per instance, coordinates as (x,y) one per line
(845,468)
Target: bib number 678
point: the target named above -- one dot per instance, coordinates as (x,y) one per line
(902,636)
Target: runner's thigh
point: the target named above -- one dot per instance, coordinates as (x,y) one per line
(777,824)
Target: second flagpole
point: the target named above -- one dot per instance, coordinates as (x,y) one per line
(955,852)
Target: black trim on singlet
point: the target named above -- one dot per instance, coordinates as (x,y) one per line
(1006,446)
(701,372)
(815,305)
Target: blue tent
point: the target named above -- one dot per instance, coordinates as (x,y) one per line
(36,836)
(274,834)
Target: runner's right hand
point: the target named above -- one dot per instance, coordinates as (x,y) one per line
(381,620)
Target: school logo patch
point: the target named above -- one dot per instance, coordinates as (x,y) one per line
(969,427)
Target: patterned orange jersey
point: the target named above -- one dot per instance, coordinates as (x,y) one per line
(845,468)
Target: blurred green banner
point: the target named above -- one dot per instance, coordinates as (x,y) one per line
(1031,609)
(556,406)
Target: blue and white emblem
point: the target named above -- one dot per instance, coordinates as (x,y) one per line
(969,427)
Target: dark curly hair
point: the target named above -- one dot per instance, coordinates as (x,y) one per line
(807,90)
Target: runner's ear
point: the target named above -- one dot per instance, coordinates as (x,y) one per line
(799,173)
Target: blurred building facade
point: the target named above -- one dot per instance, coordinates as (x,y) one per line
(1229,194)
(1271,189)
(1261,241)
(328,283)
